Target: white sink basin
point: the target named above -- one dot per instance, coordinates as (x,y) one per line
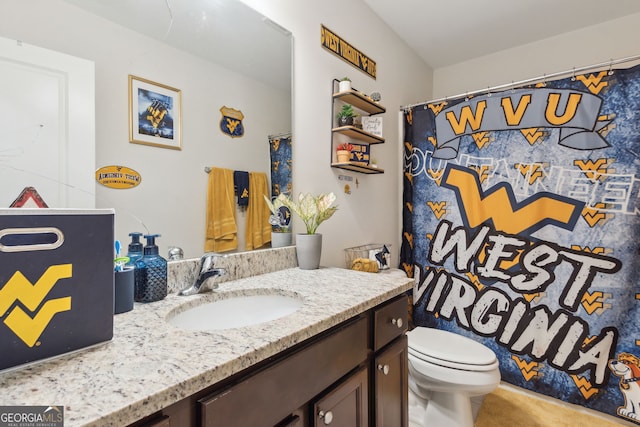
(235,311)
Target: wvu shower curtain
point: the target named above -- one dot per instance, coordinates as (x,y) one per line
(280,155)
(521,228)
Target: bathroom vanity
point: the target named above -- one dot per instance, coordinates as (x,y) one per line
(340,359)
(349,376)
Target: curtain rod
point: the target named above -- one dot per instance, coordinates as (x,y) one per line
(544,77)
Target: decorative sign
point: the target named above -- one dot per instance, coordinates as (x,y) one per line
(360,154)
(338,46)
(29,198)
(373,125)
(120,177)
(231,122)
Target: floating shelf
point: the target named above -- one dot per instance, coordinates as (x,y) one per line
(359,134)
(357,168)
(360,101)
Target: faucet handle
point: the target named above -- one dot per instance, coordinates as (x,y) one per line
(208,260)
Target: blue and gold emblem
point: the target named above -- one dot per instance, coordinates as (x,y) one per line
(231,122)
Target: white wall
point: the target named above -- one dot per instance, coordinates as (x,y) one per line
(592,45)
(171,198)
(372,213)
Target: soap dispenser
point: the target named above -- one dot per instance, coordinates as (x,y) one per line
(135,248)
(150,273)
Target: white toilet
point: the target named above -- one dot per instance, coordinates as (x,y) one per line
(449,375)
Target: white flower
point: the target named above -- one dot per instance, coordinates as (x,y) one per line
(313,210)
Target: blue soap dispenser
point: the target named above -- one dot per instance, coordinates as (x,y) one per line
(135,248)
(150,273)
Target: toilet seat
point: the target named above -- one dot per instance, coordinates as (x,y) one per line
(450,350)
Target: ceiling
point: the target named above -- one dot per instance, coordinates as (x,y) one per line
(446,32)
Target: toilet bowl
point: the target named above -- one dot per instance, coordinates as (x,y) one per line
(448,377)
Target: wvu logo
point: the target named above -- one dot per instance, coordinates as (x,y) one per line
(439,209)
(534,135)
(595,169)
(29,327)
(436,108)
(499,206)
(594,82)
(531,171)
(482,139)
(231,122)
(584,386)
(529,370)
(593,216)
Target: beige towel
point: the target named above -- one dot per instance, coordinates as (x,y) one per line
(258,227)
(221,229)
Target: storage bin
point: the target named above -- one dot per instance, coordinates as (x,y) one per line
(56,282)
(378,252)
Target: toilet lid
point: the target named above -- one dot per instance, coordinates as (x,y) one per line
(448,348)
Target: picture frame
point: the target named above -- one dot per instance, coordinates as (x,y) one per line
(155,114)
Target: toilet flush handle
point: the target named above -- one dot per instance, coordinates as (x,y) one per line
(397,322)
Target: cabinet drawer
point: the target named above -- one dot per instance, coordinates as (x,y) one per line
(267,397)
(390,321)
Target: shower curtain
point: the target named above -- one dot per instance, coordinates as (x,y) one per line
(280,153)
(521,229)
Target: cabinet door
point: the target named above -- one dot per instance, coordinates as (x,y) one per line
(391,385)
(270,395)
(346,405)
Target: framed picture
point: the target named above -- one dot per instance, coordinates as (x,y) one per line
(155,114)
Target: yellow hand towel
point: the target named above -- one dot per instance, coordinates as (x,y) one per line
(221,229)
(258,227)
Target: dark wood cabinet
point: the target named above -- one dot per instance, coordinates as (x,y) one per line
(354,374)
(391,385)
(267,397)
(346,405)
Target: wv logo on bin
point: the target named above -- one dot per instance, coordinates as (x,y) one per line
(29,326)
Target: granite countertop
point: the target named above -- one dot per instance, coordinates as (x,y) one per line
(150,364)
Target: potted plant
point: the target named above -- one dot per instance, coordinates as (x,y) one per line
(280,220)
(344,85)
(346,115)
(343,152)
(313,210)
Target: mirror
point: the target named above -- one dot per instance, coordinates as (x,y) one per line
(217,53)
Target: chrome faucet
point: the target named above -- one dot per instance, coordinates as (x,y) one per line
(208,270)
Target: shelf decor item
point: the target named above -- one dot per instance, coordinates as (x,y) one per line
(280,221)
(313,210)
(345,84)
(346,115)
(343,152)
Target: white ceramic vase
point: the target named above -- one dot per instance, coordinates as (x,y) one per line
(344,86)
(279,240)
(309,250)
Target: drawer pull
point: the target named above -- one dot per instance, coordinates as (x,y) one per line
(326,417)
(398,322)
(384,369)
